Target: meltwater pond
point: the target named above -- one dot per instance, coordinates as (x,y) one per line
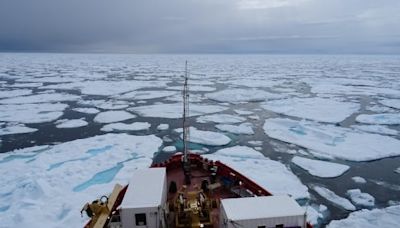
(73,125)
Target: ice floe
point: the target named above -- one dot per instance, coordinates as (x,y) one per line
(144,95)
(87,110)
(40,98)
(359,180)
(31,113)
(163,127)
(71,123)
(62,185)
(107,88)
(387,118)
(379,129)
(361,198)
(243,112)
(14,93)
(107,105)
(392,103)
(174,110)
(397,170)
(335,199)
(315,213)
(242,95)
(239,152)
(9,129)
(196,88)
(385,217)
(113,116)
(137,126)
(26,85)
(220,118)
(315,108)
(169,149)
(320,168)
(244,128)
(329,140)
(271,175)
(209,138)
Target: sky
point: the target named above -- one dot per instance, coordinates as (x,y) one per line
(201,26)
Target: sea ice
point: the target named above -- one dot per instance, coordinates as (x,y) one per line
(388,118)
(40,98)
(242,95)
(87,110)
(209,138)
(244,128)
(379,129)
(113,116)
(196,88)
(239,152)
(361,198)
(255,143)
(320,168)
(144,95)
(315,108)
(71,123)
(107,88)
(397,170)
(14,93)
(174,111)
(313,214)
(107,105)
(393,103)
(243,112)
(359,180)
(220,118)
(335,199)
(8,129)
(329,140)
(137,126)
(63,185)
(385,217)
(31,113)
(25,85)
(169,149)
(163,127)
(271,175)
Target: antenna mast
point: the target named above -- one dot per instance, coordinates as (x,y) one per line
(186,132)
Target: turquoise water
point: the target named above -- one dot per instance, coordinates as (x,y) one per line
(100,178)
(92,152)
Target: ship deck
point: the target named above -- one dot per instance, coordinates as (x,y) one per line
(198,175)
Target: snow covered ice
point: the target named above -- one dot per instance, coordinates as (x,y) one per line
(320,168)
(361,198)
(63,184)
(174,111)
(244,128)
(71,123)
(113,116)
(136,126)
(385,217)
(241,95)
(335,199)
(333,141)
(220,118)
(389,118)
(319,109)
(208,137)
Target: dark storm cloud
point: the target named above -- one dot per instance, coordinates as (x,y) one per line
(201,26)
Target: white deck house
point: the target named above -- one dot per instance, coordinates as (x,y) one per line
(145,199)
(261,212)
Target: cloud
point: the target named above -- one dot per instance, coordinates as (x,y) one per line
(200,26)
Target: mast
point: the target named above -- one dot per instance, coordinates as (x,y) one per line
(186,132)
